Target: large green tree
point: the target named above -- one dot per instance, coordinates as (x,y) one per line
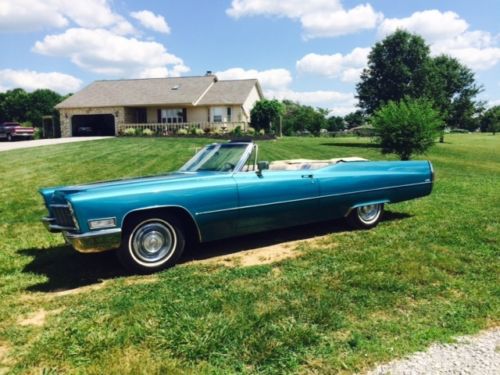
(265,114)
(401,66)
(452,87)
(398,67)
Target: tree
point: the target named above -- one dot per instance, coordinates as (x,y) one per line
(335,123)
(407,127)
(490,120)
(452,88)
(300,118)
(397,67)
(19,105)
(15,105)
(265,113)
(354,119)
(41,103)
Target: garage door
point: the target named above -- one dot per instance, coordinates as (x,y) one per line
(86,125)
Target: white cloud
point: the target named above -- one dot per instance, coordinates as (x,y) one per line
(492,103)
(31,80)
(276,84)
(33,15)
(448,34)
(269,79)
(319,18)
(346,67)
(29,15)
(340,22)
(431,24)
(151,21)
(101,51)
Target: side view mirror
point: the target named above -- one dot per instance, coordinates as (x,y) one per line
(262,165)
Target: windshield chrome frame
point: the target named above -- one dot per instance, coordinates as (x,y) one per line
(239,165)
(244,157)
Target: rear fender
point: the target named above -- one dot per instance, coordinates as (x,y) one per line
(361,204)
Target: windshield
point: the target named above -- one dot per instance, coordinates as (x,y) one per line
(216,158)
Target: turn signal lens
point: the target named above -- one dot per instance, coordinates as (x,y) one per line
(102,223)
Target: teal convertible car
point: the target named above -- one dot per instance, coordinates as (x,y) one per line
(225,191)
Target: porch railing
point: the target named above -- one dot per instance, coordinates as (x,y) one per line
(172,129)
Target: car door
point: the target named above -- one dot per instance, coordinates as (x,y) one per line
(275,199)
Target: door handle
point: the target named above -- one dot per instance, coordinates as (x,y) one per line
(307,176)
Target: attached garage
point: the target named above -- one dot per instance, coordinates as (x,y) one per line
(88,125)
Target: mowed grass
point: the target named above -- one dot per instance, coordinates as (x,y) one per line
(428,272)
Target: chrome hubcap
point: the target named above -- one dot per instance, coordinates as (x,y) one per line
(153,242)
(369,214)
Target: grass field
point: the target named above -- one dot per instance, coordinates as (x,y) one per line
(428,272)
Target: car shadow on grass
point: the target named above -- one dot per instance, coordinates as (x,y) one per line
(66,269)
(235,245)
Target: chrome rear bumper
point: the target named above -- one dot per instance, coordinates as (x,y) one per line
(95,242)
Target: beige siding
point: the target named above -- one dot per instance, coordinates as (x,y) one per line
(197,114)
(253,97)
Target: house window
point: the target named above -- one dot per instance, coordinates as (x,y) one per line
(228,114)
(172,115)
(217,114)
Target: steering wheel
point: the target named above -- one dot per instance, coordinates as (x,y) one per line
(227,167)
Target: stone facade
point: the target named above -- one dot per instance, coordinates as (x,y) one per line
(67,113)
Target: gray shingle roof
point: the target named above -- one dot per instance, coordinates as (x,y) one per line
(228,92)
(158,91)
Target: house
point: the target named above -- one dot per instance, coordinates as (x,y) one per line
(105,107)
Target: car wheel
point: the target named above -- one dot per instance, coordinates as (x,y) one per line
(9,138)
(152,244)
(366,217)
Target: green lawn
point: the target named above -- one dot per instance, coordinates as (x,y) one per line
(428,272)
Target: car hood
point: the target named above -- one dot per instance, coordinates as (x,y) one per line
(54,194)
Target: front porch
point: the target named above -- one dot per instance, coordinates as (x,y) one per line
(166,129)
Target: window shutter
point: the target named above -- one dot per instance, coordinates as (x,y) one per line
(184,115)
(158,113)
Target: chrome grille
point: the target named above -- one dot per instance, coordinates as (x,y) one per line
(62,215)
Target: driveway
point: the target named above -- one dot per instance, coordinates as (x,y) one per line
(7,146)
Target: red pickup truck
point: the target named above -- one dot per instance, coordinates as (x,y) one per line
(14,130)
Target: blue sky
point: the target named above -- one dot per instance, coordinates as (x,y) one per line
(311,51)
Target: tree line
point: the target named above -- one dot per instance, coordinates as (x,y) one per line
(28,107)
(407,97)
(400,68)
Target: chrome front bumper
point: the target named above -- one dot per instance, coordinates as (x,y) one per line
(90,242)
(95,242)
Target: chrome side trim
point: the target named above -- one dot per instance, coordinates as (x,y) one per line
(95,242)
(311,198)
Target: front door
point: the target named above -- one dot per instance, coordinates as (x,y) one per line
(275,199)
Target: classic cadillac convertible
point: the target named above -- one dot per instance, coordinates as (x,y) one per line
(224,191)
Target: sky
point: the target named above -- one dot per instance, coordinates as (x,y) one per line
(311,51)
